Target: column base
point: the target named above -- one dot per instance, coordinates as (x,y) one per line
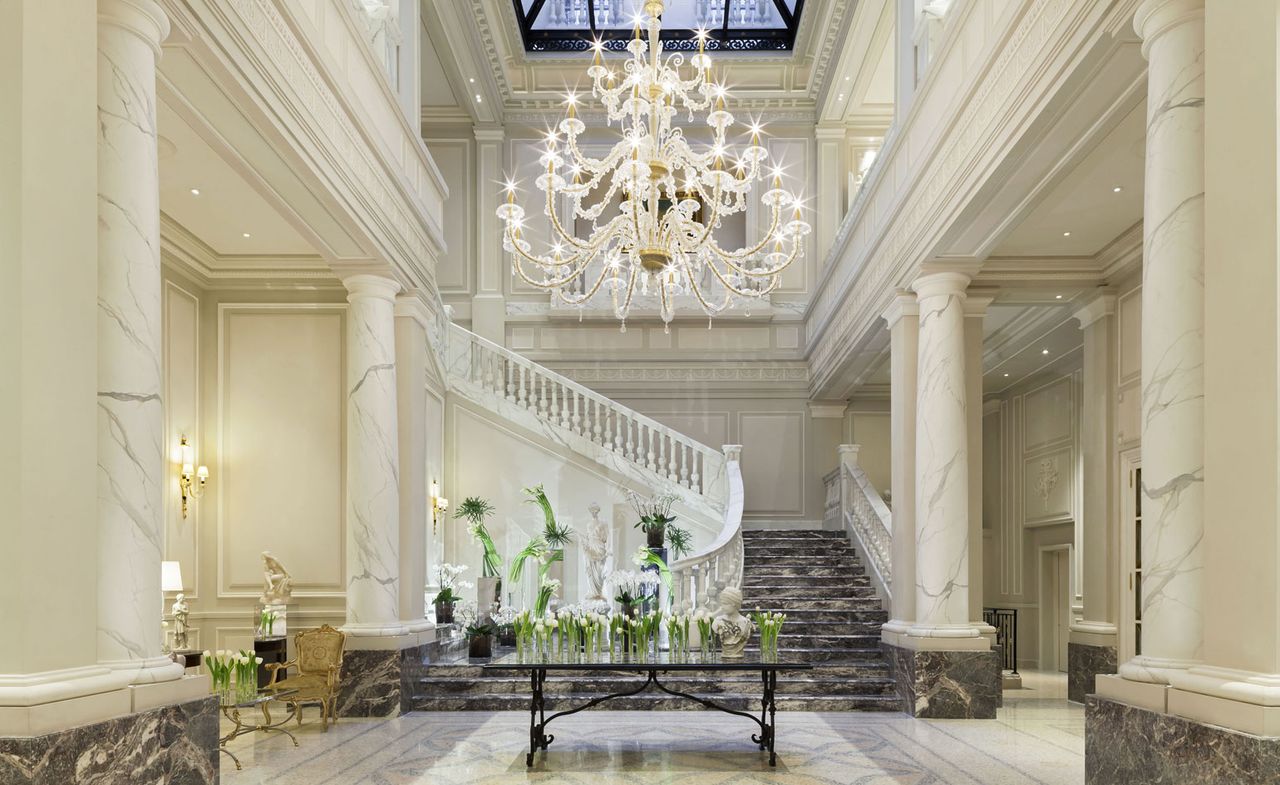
(1131,745)
(1085,662)
(380,674)
(946,684)
(172,744)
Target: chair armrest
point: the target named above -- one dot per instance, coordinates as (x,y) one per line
(334,672)
(274,669)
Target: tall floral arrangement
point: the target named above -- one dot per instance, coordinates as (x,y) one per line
(475,510)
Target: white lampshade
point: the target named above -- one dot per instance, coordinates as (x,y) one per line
(170,576)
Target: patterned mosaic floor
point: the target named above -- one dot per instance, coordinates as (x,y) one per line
(1037,738)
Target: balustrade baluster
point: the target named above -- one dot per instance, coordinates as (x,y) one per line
(595,425)
(695,479)
(648,445)
(672,444)
(684,465)
(628,450)
(564,405)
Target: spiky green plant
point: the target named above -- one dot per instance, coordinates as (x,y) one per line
(555,535)
(536,549)
(474,510)
(679,540)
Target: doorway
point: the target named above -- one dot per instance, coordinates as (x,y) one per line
(1055,606)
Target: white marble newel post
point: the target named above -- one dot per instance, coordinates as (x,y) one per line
(1172,341)
(373,495)
(942,461)
(903,319)
(131,455)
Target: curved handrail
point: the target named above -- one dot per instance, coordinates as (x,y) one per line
(697,580)
(562,401)
(866,515)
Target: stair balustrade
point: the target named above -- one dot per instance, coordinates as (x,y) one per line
(864,515)
(698,580)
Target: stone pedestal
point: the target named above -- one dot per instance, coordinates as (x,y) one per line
(382,682)
(1084,664)
(172,745)
(1128,745)
(946,685)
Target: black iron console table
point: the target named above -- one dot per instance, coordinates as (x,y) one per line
(648,666)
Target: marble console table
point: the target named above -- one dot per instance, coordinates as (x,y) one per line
(649,667)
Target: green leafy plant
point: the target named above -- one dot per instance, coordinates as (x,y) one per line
(679,540)
(555,535)
(645,556)
(654,511)
(547,590)
(446,596)
(475,510)
(479,630)
(536,549)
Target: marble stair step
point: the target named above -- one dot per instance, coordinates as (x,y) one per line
(780,582)
(789,640)
(854,669)
(745,684)
(756,570)
(784,595)
(810,561)
(792,534)
(649,701)
(800,551)
(793,627)
(874,614)
(793,604)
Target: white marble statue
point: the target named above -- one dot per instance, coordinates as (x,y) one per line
(596,547)
(733,628)
(279,583)
(180,612)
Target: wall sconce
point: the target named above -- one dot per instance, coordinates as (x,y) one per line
(439,505)
(191,479)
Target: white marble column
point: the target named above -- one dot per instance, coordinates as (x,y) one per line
(1099,537)
(412,317)
(975,317)
(903,319)
(489,305)
(942,461)
(373,459)
(1172,341)
(131,458)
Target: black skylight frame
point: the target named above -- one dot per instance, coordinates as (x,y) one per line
(722,38)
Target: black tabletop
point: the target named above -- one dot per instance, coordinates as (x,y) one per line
(666,661)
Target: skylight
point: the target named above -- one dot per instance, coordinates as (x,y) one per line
(735,25)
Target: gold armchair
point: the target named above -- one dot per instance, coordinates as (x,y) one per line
(318,661)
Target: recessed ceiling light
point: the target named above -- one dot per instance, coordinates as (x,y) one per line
(1116,190)
(472,80)
(195,191)
(1066,234)
(846,78)
(479,100)
(1006,375)
(245,234)
(1057,297)
(1044,351)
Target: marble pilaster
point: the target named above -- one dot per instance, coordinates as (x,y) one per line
(373,458)
(131,455)
(1172,342)
(412,318)
(975,317)
(942,461)
(489,305)
(903,320)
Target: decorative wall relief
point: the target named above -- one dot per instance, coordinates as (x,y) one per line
(1047,480)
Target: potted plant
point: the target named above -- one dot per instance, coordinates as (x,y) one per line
(655,514)
(555,535)
(474,510)
(679,540)
(448,597)
(480,640)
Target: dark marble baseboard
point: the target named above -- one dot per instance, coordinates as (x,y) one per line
(380,683)
(172,745)
(946,684)
(1126,745)
(1084,663)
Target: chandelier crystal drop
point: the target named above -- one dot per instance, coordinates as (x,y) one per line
(654,202)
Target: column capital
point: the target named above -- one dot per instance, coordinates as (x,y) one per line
(144,18)
(1102,305)
(976,302)
(829,132)
(410,305)
(946,283)
(369,285)
(903,304)
(488,133)
(1156,17)
(831,410)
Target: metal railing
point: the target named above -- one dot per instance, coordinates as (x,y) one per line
(1005,620)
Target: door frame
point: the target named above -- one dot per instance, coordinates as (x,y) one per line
(1129,462)
(1049,605)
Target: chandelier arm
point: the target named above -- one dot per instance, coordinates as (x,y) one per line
(707,307)
(555,222)
(543,261)
(731,287)
(585,295)
(745,252)
(796,247)
(547,285)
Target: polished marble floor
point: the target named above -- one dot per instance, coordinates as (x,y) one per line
(1037,738)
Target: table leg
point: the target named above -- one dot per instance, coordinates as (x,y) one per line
(771,683)
(534,703)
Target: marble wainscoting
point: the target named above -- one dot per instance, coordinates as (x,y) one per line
(172,745)
(380,683)
(946,685)
(1084,663)
(1126,745)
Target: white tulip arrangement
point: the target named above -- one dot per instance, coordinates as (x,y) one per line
(770,626)
(223,662)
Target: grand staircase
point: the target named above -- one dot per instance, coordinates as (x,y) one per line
(833,620)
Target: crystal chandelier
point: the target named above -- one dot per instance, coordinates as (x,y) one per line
(654,201)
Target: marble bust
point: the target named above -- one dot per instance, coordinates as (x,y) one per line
(596,547)
(733,628)
(278,582)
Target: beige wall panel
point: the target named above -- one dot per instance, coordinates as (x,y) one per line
(871,430)
(455,159)
(1130,334)
(1049,415)
(281,447)
(723,337)
(773,473)
(578,338)
(181,348)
